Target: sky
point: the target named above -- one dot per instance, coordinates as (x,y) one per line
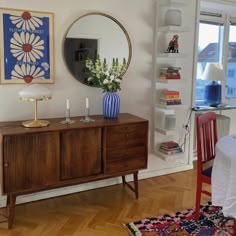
(210,33)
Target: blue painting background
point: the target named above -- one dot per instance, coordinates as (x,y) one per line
(9,60)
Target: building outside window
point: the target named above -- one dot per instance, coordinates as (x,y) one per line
(231,62)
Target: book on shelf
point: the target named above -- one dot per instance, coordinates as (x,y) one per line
(177,76)
(171,152)
(170,73)
(170,69)
(165,93)
(171,102)
(170,147)
(177,96)
(171,97)
(169,144)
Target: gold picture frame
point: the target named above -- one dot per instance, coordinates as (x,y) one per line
(26,47)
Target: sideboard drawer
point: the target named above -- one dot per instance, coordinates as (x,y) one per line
(126,135)
(126,148)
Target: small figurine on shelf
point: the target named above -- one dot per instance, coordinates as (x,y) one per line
(173,45)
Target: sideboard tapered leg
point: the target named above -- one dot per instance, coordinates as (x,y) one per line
(136,184)
(11,201)
(134,188)
(123,180)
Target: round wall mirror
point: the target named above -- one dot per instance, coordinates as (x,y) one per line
(91,35)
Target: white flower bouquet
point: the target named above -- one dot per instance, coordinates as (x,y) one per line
(101,76)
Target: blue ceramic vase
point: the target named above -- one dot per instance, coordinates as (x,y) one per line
(111,105)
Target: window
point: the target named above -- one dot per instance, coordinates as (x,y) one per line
(217,37)
(210,46)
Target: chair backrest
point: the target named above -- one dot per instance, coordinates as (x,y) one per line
(206,137)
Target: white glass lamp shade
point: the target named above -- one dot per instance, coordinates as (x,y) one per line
(35,91)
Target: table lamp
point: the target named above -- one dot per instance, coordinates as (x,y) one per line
(214,73)
(35,93)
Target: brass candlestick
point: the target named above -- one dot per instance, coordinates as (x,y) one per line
(35,123)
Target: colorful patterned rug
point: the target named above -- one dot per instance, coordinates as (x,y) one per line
(211,222)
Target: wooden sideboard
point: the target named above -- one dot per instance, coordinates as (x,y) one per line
(36,159)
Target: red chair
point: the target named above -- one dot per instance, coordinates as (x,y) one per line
(206,141)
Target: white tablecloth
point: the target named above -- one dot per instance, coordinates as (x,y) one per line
(224,175)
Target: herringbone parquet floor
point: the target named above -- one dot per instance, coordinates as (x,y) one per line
(101,212)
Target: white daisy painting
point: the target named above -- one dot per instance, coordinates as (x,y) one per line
(27,41)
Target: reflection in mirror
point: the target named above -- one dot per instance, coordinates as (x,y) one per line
(92,35)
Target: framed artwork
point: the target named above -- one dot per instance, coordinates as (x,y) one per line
(26,46)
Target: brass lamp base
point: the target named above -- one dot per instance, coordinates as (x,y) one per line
(35,123)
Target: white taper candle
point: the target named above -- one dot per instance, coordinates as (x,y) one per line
(87,103)
(67,103)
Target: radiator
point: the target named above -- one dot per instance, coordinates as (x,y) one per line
(223,127)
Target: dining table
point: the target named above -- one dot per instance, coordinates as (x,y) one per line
(224,175)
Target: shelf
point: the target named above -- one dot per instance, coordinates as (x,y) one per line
(173,156)
(171,55)
(165,131)
(170,107)
(172,29)
(174,3)
(167,81)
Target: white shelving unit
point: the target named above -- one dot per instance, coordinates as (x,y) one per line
(163,34)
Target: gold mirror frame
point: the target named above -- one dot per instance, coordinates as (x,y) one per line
(129,53)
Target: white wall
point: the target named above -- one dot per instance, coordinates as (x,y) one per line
(137,16)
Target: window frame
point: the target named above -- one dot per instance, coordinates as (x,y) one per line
(225,19)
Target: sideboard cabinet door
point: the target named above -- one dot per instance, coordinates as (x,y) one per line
(126,147)
(31,161)
(81,153)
